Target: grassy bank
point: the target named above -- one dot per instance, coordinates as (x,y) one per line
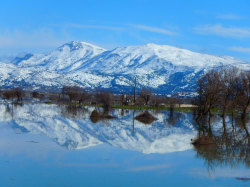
(188,109)
(130,107)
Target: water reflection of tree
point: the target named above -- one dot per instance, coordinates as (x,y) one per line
(101,114)
(230,144)
(145,117)
(173,118)
(72,111)
(10,108)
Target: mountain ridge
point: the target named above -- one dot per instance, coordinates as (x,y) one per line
(161,68)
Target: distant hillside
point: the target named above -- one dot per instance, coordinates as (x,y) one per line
(161,68)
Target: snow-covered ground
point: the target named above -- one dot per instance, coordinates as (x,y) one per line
(162,68)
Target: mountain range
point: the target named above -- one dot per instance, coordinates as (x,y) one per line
(163,69)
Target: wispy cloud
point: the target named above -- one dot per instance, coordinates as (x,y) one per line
(155,29)
(101,27)
(149,168)
(89,165)
(240,49)
(218,29)
(233,173)
(229,16)
(121,28)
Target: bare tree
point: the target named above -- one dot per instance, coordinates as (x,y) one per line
(7,94)
(105,99)
(209,85)
(157,100)
(145,94)
(75,93)
(228,90)
(243,93)
(171,101)
(35,94)
(18,93)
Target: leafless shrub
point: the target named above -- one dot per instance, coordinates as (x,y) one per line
(145,95)
(35,94)
(145,118)
(105,99)
(16,93)
(7,94)
(209,85)
(75,94)
(243,93)
(225,89)
(227,92)
(158,101)
(97,116)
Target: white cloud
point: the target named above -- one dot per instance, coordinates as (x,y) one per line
(235,32)
(149,167)
(229,16)
(240,49)
(101,27)
(219,172)
(154,29)
(114,28)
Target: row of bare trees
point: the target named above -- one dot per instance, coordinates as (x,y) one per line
(78,95)
(16,93)
(75,94)
(227,89)
(19,95)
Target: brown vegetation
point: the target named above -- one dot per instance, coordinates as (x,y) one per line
(203,140)
(105,99)
(97,116)
(16,93)
(226,89)
(158,101)
(145,118)
(75,94)
(145,95)
(230,146)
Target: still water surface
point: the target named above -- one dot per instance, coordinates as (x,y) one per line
(49,145)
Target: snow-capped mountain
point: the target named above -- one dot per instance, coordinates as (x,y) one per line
(150,58)
(162,68)
(65,58)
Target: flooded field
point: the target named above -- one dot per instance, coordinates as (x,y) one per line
(51,145)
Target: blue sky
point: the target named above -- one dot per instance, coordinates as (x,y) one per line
(219,27)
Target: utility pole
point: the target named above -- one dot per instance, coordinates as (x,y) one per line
(12,99)
(134,89)
(133,120)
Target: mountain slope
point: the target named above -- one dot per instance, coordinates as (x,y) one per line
(146,59)
(161,68)
(65,58)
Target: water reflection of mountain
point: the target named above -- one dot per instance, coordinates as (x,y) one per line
(73,129)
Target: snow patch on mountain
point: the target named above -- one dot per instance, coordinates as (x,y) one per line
(146,59)
(162,68)
(66,57)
